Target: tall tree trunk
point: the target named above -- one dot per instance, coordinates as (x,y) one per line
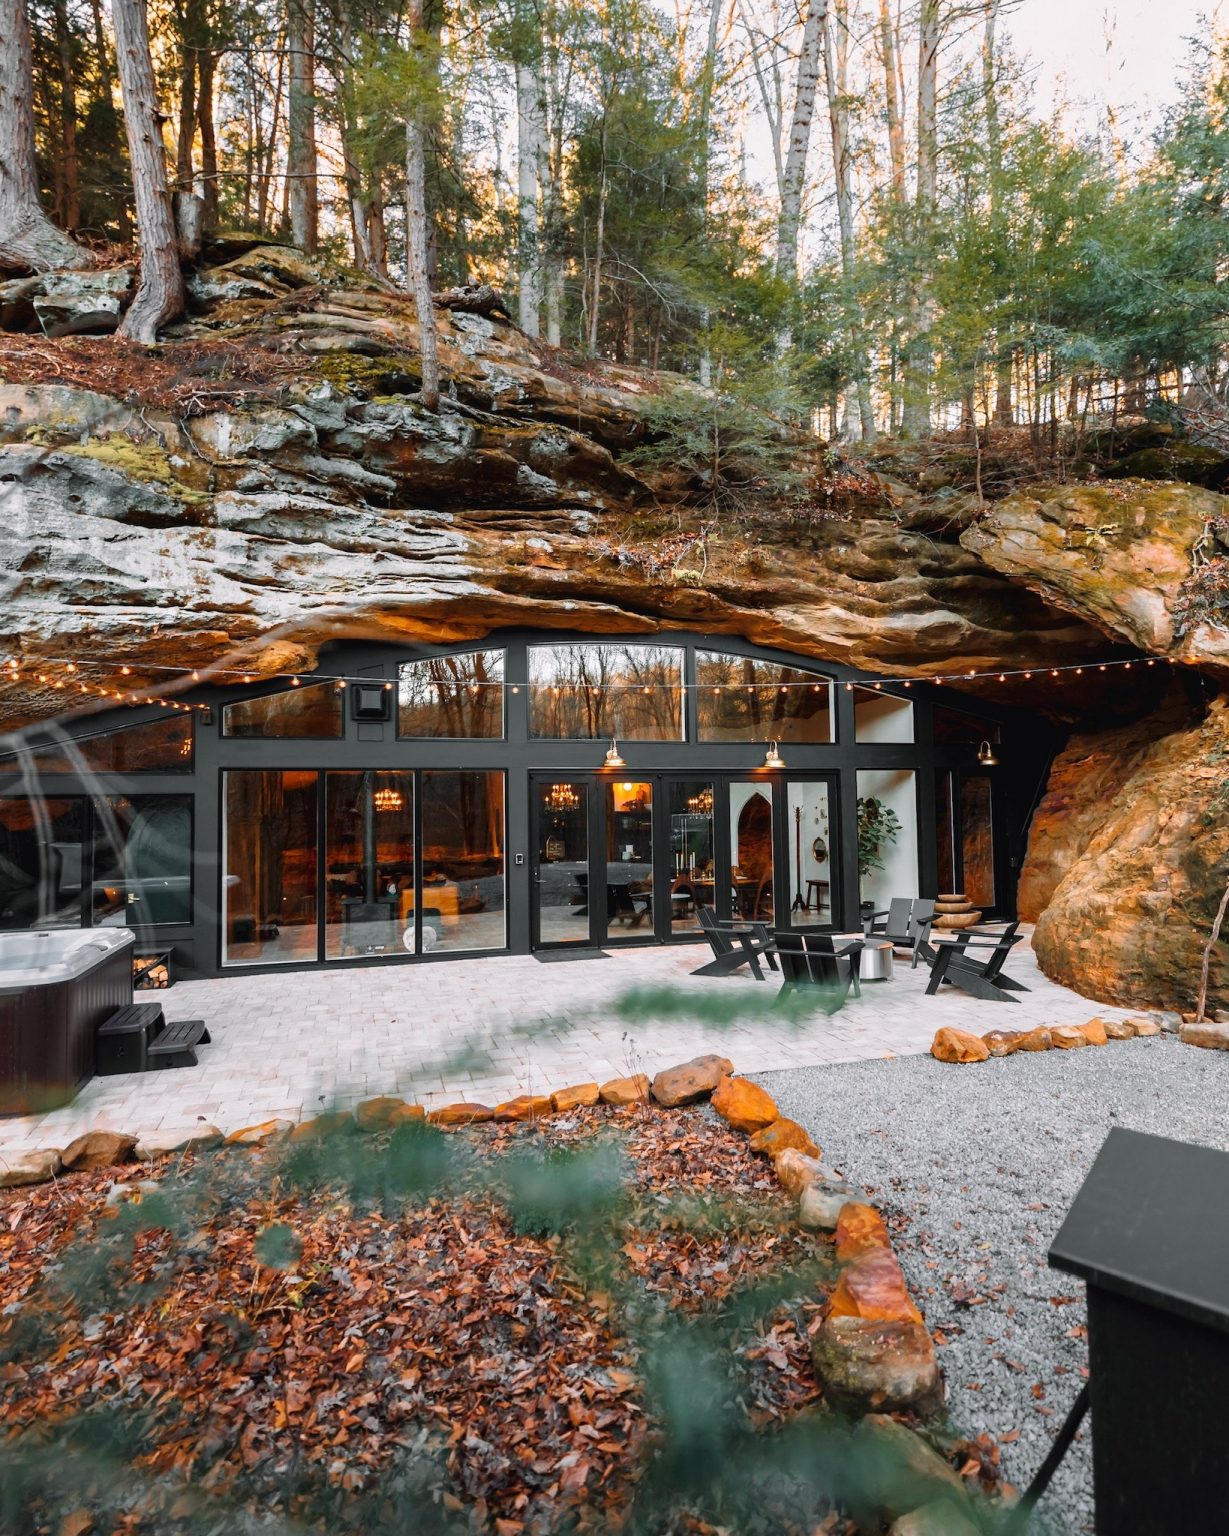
(28,238)
(160,294)
(302,193)
(595,298)
(1004,414)
(793,183)
(552,212)
(416,227)
(708,79)
(891,86)
(836,78)
(531,153)
(68,170)
(187,16)
(265,192)
(205,65)
(918,361)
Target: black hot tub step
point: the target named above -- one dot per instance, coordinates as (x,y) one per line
(143,1016)
(176,1045)
(124,1039)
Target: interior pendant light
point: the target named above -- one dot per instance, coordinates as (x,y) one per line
(986,757)
(613,760)
(773,758)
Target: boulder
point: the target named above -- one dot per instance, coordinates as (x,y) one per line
(1167,1019)
(1068,1037)
(897,1471)
(873,1288)
(320,1126)
(98,1149)
(580,1096)
(28,1167)
(858,1228)
(75,302)
(384,1113)
(957,1045)
(795,1170)
(744,1105)
(820,1206)
(1119,1029)
(941,1517)
(526,1106)
(1147,1027)
(870,1366)
(1212,1037)
(1095,1032)
(1035,1040)
(782,1135)
(262,1135)
(158,1143)
(461,1114)
(694,1079)
(1002,1042)
(625,1090)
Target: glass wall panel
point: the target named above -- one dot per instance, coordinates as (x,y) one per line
(881,717)
(741,699)
(751,849)
(945,828)
(269,867)
(463,861)
(977,839)
(887,835)
(460,696)
(691,852)
(368,864)
(42,862)
(583,692)
(142,861)
(809,826)
(162,746)
(561,884)
(629,856)
(314,712)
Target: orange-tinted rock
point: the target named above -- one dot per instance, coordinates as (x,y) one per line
(1002,1042)
(795,1170)
(579,1097)
(1119,1029)
(782,1135)
(873,1288)
(461,1114)
(260,1135)
(1068,1037)
(858,1228)
(322,1125)
(625,1090)
(1095,1032)
(693,1080)
(1035,1040)
(528,1106)
(29,1168)
(957,1045)
(1146,1027)
(383,1113)
(98,1149)
(876,1366)
(744,1105)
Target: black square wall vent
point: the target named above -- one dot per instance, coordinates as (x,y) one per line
(371,701)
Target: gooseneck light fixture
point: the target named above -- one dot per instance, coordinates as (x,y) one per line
(773,758)
(986,757)
(613,760)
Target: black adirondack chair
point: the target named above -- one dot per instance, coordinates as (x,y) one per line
(956,964)
(906,925)
(733,945)
(812,962)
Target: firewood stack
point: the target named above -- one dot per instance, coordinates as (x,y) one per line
(956,912)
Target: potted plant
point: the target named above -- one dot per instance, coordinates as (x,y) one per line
(878,826)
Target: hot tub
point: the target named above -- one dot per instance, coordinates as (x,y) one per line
(56,988)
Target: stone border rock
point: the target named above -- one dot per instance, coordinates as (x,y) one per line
(959,1046)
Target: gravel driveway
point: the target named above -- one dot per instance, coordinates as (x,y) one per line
(980,1164)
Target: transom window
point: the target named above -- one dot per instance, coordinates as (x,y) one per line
(582,692)
(739,698)
(452,696)
(310,713)
(157,746)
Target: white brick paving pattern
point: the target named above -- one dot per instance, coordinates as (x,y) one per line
(487,1029)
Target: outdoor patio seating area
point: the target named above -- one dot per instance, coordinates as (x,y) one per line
(289,1044)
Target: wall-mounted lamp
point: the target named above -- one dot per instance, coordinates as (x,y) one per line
(613,760)
(986,757)
(772,758)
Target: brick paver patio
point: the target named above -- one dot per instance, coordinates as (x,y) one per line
(487,1029)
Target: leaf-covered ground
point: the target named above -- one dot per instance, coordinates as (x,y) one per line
(307,1343)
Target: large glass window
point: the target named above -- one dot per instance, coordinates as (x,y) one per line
(809,828)
(269,867)
(691,852)
(751,879)
(161,746)
(463,861)
(42,861)
(629,856)
(881,717)
(368,864)
(142,861)
(452,696)
(887,835)
(561,874)
(310,713)
(582,692)
(977,839)
(739,698)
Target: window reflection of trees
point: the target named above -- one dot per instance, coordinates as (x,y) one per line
(741,698)
(582,692)
(454,696)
